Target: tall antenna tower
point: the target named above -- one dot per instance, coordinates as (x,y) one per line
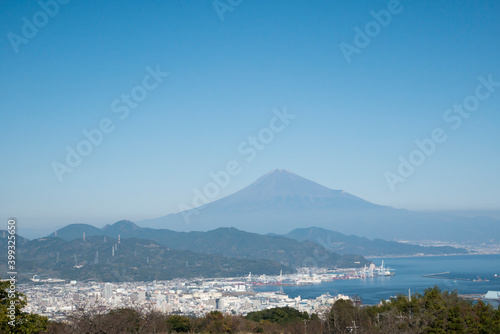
(83,235)
(96,261)
(118,238)
(113,251)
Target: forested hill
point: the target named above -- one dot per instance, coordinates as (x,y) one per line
(131,260)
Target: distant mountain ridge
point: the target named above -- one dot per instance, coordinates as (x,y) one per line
(281,201)
(276,202)
(286,188)
(229,242)
(351,244)
(295,249)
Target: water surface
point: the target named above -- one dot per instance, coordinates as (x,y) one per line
(409,273)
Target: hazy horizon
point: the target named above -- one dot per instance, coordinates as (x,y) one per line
(120,110)
(47,229)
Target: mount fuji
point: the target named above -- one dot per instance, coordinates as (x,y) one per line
(281,201)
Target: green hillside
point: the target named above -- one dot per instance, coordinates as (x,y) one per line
(230,242)
(133,260)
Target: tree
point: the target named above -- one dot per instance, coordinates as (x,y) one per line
(12,318)
(216,322)
(92,318)
(342,315)
(179,324)
(280,315)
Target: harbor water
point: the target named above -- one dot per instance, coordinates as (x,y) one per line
(468,274)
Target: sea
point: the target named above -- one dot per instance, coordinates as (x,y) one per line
(467,274)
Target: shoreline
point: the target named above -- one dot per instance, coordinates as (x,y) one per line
(389,256)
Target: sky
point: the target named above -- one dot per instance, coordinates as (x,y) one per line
(396,102)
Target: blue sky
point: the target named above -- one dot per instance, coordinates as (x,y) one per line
(225,77)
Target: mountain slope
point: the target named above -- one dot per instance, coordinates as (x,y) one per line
(132,260)
(351,244)
(281,201)
(286,190)
(4,236)
(75,231)
(230,242)
(276,202)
